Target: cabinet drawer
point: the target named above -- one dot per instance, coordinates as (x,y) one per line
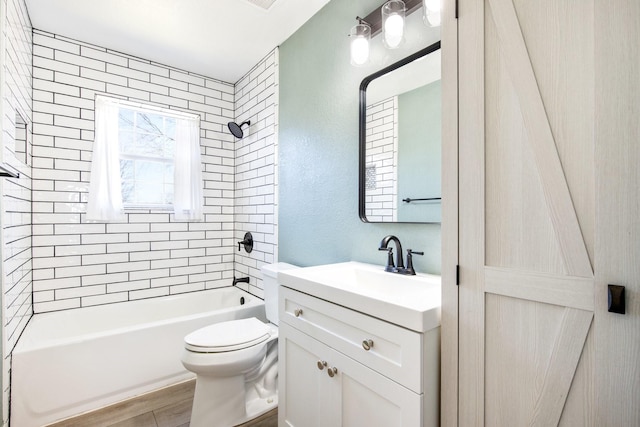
(395,352)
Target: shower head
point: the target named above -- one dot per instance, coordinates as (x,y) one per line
(236,129)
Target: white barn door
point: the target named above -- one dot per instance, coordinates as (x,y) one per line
(540,143)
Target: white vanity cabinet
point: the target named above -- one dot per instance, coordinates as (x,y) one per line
(327,377)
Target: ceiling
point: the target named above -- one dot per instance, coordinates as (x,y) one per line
(221,39)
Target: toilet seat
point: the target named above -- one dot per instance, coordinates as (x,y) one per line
(227,336)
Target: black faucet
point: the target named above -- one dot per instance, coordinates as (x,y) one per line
(384,246)
(240,280)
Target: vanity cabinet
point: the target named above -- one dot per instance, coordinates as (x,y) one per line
(327,377)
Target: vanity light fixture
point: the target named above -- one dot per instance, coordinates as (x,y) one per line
(360,35)
(389,19)
(393,14)
(431,12)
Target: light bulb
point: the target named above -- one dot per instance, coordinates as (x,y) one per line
(359,50)
(432,13)
(360,35)
(393,13)
(393,30)
(432,5)
(433,19)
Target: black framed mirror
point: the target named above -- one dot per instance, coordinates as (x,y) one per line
(400,127)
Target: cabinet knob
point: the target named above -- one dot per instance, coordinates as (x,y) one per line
(333,371)
(297,312)
(321,364)
(367,344)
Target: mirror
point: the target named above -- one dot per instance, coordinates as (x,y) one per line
(400,141)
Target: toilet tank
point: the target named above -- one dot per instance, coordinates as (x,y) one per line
(270,283)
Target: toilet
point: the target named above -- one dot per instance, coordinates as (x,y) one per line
(236,363)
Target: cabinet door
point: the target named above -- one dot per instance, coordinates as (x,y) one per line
(354,396)
(303,389)
(371,399)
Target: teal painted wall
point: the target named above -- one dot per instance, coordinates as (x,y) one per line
(420,152)
(318,144)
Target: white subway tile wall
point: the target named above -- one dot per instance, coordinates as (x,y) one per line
(382,156)
(16,193)
(78,263)
(256,99)
(53,259)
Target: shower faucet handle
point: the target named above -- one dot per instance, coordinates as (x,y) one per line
(247,242)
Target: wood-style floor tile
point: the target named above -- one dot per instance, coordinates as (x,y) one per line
(132,408)
(168,407)
(174,415)
(144,420)
(270,419)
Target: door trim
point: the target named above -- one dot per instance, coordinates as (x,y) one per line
(449,226)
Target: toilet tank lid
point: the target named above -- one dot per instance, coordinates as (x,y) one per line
(272,270)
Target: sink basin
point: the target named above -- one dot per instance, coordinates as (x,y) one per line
(409,301)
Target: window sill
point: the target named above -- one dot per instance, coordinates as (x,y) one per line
(138,208)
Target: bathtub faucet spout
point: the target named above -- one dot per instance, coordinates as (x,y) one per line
(240,280)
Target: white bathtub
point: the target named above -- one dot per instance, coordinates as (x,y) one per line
(74,361)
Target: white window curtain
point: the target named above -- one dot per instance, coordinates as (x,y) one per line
(187,196)
(105,193)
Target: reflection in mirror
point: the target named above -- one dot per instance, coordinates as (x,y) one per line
(400,141)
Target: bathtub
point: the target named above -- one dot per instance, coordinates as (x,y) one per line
(73,361)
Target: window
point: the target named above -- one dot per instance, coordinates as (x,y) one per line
(147,147)
(144,157)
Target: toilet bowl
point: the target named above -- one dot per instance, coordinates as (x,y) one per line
(235,363)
